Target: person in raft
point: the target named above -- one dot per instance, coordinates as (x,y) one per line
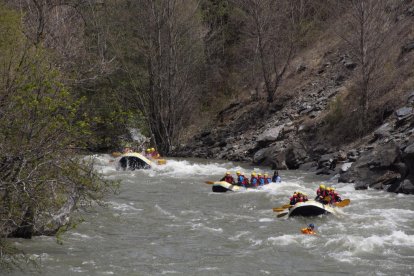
(260,179)
(154,154)
(293,199)
(322,194)
(302,197)
(310,230)
(267,179)
(276,178)
(334,196)
(254,181)
(127,150)
(245,182)
(228,178)
(240,179)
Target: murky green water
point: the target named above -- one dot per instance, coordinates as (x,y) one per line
(167,221)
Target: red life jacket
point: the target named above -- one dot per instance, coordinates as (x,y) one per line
(245,181)
(322,193)
(229,179)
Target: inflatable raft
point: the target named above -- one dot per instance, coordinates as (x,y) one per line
(133,161)
(223,186)
(310,208)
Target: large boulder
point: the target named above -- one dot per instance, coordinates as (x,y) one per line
(273,156)
(375,168)
(296,155)
(269,136)
(407,187)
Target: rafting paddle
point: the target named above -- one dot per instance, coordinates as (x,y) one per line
(283,214)
(284,206)
(343,203)
(209,182)
(278,209)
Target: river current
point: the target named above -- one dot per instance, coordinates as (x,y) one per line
(168,221)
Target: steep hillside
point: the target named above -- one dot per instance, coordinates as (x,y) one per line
(308,125)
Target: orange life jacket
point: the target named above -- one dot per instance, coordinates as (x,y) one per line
(308,231)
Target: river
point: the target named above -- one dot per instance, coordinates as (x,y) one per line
(167,221)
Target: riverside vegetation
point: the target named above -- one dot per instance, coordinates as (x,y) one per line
(289,84)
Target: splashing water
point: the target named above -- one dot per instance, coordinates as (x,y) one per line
(167,221)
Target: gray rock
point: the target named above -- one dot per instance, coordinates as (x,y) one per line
(327,161)
(295,156)
(408,47)
(407,187)
(408,158)
(383,131)
(320,149)
(402,169)
(341,156)
(403,112)
(308,166)
(301,68)
(269,136)
(409,150)
(260,155)
(324,171)
(353,155)
(345,167)
(360,185)
(410,98)
(387,179)
(374,168)
(350,65)
(288,129)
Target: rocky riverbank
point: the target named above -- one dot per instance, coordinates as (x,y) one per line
(286,134)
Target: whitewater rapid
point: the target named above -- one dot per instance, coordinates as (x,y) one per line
(166,220)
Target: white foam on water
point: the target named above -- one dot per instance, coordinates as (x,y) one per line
(239,235)
(349,247)
(164,212)
(123,207)
(169,272)
(42,256)
(284,240)
(76,269)
(107,272)
(175,168)
(190,212)
(255,242)
(82,236)
(201,226)
(266,220)
(208,268)
(91,262)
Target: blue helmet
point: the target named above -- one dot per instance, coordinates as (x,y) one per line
(311,225)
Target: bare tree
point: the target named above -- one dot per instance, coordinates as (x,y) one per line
(75,30)
(273,30)
(164,68)
(368,31)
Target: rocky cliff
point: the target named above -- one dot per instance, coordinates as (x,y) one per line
(291,133)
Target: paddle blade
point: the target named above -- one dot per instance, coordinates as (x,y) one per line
(209,182)
(282,214)
(284,206)
(343,203)
(276,209)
